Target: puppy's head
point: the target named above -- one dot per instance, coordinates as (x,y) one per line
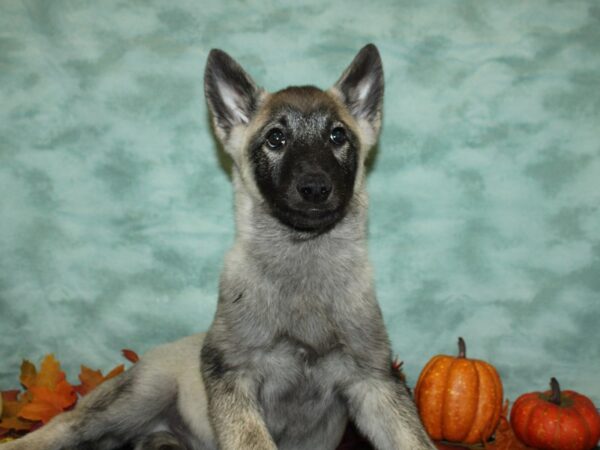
(300,150)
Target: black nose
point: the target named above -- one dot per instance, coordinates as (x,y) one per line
(314,188)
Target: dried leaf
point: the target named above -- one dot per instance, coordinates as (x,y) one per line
(90,379)
(39,411)
(28,374)
(116,371)
(62,396)
(50,392)
(504,437)
(130,355)
(12,403)
(50,374)
(397,370)
(444,446)
(15,424)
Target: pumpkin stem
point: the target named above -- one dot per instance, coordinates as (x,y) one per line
(555,396)
(462,348)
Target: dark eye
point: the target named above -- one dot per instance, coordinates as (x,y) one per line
(338,136)
(275,139)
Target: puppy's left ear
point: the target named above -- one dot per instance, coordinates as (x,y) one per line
(361,87)
(231,93)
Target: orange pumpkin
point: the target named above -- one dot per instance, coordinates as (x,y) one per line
(555,420)
(459,399)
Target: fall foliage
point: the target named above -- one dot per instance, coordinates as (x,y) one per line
(46,393)
(90,379)
(130,355)
(504,437)
(49,389)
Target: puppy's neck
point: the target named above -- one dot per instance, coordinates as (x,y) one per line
(262,238)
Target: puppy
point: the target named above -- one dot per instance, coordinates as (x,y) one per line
(298,345)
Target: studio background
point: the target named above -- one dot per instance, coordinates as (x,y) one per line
(116,208)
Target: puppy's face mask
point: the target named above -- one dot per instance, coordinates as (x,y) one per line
(301,150)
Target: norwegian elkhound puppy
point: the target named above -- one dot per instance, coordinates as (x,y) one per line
(298,345)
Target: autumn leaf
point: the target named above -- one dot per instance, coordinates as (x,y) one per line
(50,392)
(90,379)
(397,370)
(130,355)
(444,446)
(504,437)
(116,371)
(39,411)
(47,394)
(47,403)
(12,403)
(28,374)
(50,374)
(14,423)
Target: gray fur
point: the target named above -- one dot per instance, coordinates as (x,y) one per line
(298,345)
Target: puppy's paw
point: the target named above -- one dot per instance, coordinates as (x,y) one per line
(161,440)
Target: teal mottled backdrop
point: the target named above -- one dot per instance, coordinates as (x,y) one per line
(116,208)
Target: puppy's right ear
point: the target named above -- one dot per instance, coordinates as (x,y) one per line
(231,94)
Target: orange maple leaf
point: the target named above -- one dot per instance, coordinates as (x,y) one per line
(90,379)
(50,392)
(47,394)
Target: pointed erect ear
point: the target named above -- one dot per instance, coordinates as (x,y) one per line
(361,86)
(230,92)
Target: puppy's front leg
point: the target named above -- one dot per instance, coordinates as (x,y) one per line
(232,406)
(235,417)
(385,413)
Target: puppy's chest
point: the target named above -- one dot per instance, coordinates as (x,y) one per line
(298,384)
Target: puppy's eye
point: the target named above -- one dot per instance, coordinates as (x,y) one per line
(338,136)
(275,139)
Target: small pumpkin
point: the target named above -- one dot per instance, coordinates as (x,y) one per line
(555,420)
(459,399)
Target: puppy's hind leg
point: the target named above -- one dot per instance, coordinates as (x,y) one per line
(111,415)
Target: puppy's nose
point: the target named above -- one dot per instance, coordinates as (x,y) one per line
(314,188)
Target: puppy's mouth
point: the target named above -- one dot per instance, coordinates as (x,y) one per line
(310,219)
(313,212)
